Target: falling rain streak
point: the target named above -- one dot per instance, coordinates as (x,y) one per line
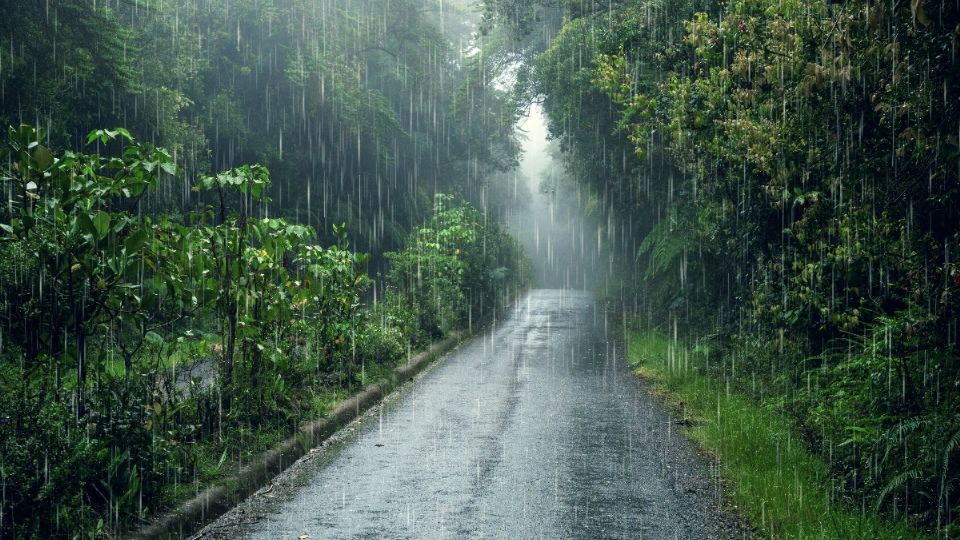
(221,219)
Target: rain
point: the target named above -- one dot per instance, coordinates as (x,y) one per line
(494,268)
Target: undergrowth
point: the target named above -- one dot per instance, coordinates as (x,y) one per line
(782,488)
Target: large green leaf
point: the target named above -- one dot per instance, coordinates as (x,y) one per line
(86,224)
(42,156)
(102,224)
(135,241)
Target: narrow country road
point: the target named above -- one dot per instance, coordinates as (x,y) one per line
(536,429)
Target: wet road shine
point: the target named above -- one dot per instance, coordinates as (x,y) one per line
(536,429)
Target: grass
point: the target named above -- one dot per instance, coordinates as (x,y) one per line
(776,482)
(216,458)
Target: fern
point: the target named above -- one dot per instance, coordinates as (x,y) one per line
(665,243)
(951,444)
(908,426)
(890,438)
(895,483)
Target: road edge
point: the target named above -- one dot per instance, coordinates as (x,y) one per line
(191,515)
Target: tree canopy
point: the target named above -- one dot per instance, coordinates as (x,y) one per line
(788,174)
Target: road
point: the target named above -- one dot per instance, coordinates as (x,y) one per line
(536,429)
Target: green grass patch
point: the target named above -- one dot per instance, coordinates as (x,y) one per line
(214,459)
(780,486)
(325,399)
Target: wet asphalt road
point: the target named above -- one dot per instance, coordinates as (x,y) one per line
(536,429)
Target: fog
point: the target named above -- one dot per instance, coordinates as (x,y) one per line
(565,243)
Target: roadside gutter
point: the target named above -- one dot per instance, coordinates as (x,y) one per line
(215,500)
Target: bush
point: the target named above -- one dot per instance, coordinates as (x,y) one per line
(456,268)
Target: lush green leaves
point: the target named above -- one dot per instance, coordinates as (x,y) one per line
(99,302)
(786,164)
(456,268)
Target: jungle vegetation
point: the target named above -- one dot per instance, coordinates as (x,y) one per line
(784,180)
(359,108)
(302,195)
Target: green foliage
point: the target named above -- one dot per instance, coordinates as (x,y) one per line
(79,265)
(54,79)
(457,267)
(125,266)
(783,488)
(667,248)
(316,91)
(792,169)
(518,16)
(102,304)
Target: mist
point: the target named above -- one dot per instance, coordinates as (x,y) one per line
(565,243)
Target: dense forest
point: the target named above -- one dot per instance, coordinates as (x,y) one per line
(267,232)
(783,181)
(358,107)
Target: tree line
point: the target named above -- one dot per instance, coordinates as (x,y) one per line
(784,178)
(101,303)
(360,108)
(301,195)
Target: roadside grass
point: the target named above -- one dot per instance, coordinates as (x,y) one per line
(780,487)
(215,458)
